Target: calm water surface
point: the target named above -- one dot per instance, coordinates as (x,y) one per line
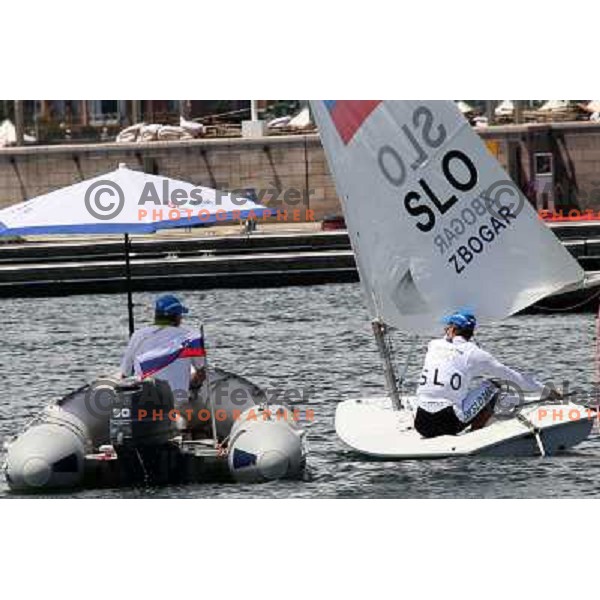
(314,338)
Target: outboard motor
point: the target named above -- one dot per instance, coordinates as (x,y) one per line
(142,426)
(266,444)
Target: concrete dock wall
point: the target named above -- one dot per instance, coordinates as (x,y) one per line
(288,172)
(291,172)
(575,152)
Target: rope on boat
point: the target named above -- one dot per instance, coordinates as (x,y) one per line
(146,478)
(535,431)
(411,350)
(391,352)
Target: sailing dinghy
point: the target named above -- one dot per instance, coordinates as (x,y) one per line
(437,226)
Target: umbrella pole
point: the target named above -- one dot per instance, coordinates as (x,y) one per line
(129,290)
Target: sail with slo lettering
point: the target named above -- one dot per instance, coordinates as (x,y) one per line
(435,222)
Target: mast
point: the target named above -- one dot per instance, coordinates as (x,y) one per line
(130,317)
(210,395)
(380,331)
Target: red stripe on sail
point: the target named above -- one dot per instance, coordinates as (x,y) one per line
(349,115)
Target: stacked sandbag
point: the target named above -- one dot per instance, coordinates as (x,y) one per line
(8,135)
(168,133)
(559,110)
(192,128)
(142,132)
(302,120)
(505,112)
(592,108)
(130,134)
(279,122)
(465,108)
(149,133)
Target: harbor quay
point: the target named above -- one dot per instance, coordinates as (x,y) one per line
(556,166)
(286,173)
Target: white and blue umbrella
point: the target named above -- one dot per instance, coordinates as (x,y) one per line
(125,201)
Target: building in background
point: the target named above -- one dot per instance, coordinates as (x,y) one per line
(66,121)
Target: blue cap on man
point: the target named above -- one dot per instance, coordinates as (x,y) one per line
(168,305)
(462,319)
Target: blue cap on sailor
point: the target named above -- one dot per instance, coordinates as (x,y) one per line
(168,305)
(462,319)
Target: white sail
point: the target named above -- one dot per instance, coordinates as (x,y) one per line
(435,223)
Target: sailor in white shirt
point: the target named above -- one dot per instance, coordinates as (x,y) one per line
(446,404)
(166,332)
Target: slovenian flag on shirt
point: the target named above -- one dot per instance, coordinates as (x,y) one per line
(153,361)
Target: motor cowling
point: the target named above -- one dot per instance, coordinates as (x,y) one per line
(142,413)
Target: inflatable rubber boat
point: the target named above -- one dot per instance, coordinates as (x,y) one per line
(115,432)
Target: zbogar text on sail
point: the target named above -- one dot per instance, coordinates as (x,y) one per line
(446,203)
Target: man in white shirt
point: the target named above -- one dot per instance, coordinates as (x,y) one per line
(166,335)
(446,404)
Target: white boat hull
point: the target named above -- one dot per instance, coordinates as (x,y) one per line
(371,427)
